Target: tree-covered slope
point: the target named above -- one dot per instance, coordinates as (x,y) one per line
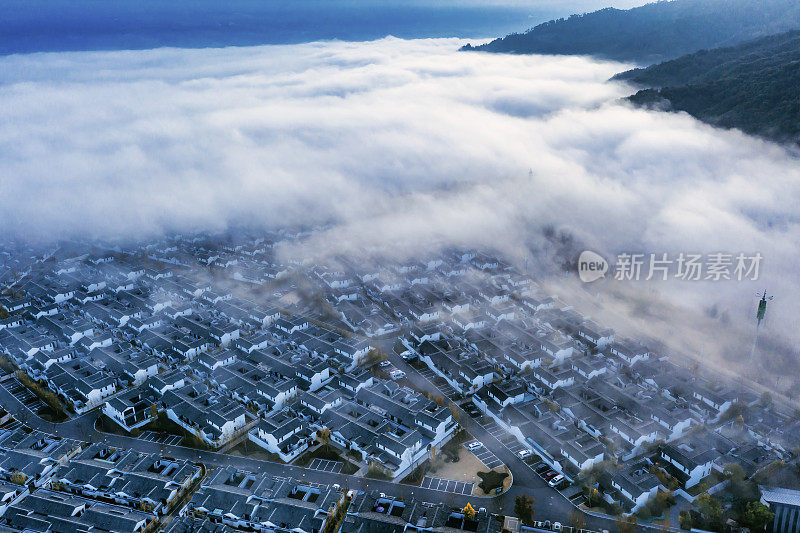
(654,32)
(754,86)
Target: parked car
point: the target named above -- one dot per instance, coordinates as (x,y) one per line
(386,363)
(556,480)
(523,453)
(550,474)
(474,445)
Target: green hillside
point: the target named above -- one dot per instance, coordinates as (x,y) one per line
(754,86)
(654,32)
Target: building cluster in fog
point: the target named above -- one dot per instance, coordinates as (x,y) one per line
(223,337)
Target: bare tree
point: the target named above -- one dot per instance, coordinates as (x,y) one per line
(626,524)
(577,519)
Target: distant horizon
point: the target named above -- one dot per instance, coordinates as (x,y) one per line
(84,25)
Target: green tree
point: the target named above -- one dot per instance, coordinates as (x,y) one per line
(733,471)
(766,399)
(756,516)
(685,520)
(665,500)
(523,508)
(710,507)
(743,491)
(593,497)
(645,513)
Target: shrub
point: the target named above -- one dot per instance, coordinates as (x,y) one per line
(491,480)
(644,513)
(685,520)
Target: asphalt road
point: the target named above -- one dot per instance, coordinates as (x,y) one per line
(82,428)
(549,504)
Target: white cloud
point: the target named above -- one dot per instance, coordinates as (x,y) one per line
(394,140)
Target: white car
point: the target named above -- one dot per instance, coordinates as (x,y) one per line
(474,445)
(523,453)
(385,363)
(556,480)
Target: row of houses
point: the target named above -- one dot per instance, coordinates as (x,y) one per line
(49,483)
(243,500)
(214,332)
(379,423)
(374,512)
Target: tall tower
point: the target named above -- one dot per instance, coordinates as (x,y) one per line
(762,308)
(760,313)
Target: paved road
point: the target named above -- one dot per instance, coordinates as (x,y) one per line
(550,505)
(82,428)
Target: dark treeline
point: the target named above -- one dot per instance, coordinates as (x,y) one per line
(753,86)
(654,32)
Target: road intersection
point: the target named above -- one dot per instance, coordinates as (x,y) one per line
(549,503)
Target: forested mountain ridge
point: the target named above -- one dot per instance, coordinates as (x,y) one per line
(754,86)
(654,32)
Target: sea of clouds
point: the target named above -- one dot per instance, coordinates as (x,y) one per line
(391,141)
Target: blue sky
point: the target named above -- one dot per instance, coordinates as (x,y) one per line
(58,25)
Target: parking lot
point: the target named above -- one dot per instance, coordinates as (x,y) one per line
(164,438)
(508,440)
(471,410)
(325,465)
(511,442)
(447,485)
(485,456)
(427,373)
(445,387)
(492,428)
(12,424)
(440,382)
(25,396)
